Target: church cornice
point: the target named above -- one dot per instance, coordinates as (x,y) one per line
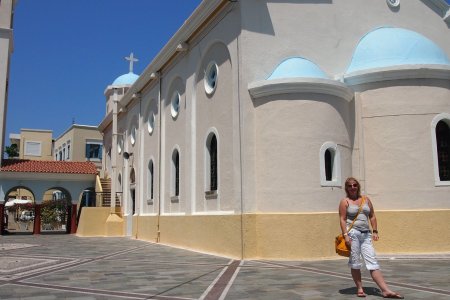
(398,73)
(442,7)
(266,88)
(105,122)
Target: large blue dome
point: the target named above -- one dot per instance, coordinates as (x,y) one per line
(388,46)
(126,79)
(297,67)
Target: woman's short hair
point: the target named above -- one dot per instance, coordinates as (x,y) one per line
(347,181)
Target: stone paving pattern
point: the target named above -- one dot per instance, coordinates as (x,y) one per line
(70,267)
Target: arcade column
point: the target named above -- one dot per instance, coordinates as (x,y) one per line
(37,219)
(73,219)
(2,216)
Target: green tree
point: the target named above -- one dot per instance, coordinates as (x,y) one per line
(12,151)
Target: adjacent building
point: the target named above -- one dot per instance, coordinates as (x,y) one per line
(77,143)
(80,143)
(33,144)
(239,135)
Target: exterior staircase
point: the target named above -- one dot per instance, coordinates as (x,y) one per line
(106,194)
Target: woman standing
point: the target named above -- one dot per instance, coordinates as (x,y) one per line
(359,237)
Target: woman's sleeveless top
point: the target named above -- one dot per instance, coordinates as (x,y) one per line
(362,221)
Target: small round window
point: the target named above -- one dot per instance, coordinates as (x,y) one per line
(393,3)
(175,107)
(133,136)
(119,145)
(151,122)
(211,76)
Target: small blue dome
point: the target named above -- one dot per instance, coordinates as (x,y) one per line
(126,79)
(387,46)
(297,67)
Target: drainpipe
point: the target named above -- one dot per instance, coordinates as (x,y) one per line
(141,162)
(240,145)
(158,233)
(114,153)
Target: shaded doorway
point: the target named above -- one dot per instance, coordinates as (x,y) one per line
(19,211)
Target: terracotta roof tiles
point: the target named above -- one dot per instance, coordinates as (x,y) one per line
(41,166)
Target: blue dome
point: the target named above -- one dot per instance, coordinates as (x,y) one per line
(297,67)
(126,79)
(387,46)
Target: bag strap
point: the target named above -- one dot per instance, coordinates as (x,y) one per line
(360,209)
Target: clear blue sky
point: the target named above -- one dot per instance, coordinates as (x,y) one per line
(67,52)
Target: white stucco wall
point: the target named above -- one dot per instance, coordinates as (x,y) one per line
(397,145)
(290,130)
(150,150)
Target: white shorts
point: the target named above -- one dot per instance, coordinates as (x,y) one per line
(362,246)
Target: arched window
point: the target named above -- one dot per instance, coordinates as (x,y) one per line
(211,162)
(150,180)
(329,157)
(440,136)
(119,183)
(132,176)
(330,165)
(443,150)
(175,173)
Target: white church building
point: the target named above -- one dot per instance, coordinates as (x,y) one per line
(237,138)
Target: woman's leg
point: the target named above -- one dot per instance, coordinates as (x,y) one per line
(368,253)
(354,261)
(356,275)
(379,280)
(385,290)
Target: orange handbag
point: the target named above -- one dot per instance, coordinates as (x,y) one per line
(341,247)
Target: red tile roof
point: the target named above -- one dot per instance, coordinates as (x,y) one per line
(41,166)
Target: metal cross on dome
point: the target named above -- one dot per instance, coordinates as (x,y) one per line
(131,59)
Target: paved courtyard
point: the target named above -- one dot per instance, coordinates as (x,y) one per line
(70,267)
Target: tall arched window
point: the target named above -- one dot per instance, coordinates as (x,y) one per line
(440,137)
(175,173)
(119,183)
(132,176)
(329,165)
(443,150)
(150,180)
(212,153)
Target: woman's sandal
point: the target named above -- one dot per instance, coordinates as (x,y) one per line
(394,296)
(361,294)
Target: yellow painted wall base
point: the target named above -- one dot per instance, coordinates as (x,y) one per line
(92,221)
(99,221)
(294,236)
(274,236)
(114,225)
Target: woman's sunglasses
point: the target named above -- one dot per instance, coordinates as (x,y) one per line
(352,185)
